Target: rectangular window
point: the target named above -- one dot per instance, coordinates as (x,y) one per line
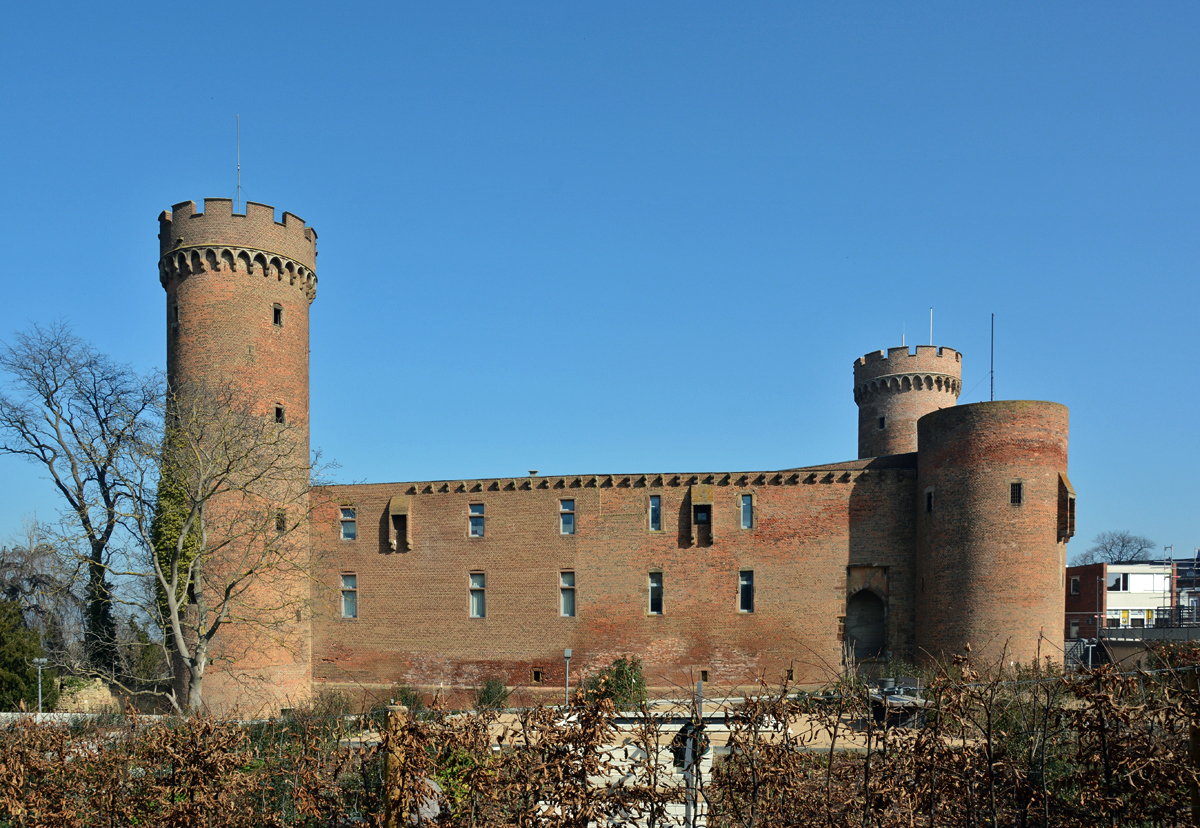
(1074,586)
(1015,492)
(349,596)
(746,590)
(280,522)
(277,315)
(747,511)
(349,523)
(790,675)
(929,500)
(882,423)
(656,593)
(704,676)
(566,517)
(475,517)
(1118,582)
(279,416)
(537,676)
(1074,630)
(478,599)
(566,594)
(655,513)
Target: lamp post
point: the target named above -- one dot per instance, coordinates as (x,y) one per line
(567,680)
(40,663)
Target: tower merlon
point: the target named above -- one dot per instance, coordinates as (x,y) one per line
(930,359)
(182,227)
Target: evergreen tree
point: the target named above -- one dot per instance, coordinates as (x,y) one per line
(19,646)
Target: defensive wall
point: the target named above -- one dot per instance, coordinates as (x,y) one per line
(808,526)
(915,550)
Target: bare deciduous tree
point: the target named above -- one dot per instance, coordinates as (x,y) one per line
(41,577)
(1115,547)
(219,513)
(76,413)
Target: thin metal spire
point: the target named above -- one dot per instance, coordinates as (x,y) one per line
(237,200)
(931,326)
(993,366)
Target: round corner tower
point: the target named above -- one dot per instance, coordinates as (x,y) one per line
(994,512)
(895,389)
(238,291)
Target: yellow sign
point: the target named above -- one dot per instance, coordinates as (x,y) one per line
(1124,618)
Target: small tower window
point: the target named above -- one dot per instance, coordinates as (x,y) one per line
(277,315)
(1015,493)
(281,521)
(882,423)
(929,500)
(279,417)
(173,315)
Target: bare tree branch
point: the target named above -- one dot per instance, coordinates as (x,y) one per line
(76,413)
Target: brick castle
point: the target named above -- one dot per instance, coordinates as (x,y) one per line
(948,530)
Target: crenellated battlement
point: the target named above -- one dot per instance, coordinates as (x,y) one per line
(182,228)
(928,359)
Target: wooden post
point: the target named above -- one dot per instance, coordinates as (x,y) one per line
(395,804)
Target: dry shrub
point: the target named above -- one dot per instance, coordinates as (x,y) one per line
(996,748)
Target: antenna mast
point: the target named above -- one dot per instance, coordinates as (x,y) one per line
(238,197)
(993,367)
(931,326)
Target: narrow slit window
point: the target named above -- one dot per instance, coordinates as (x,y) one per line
(1016,492)
(882,423)
(655,513)
(746,590)
(929,501)
(566,594)
(279,415)
(566,517)
(277,315)
(747,511)
(656,593)
(349,596)
(280,522)
(475,520)
(478,597)
(400,530)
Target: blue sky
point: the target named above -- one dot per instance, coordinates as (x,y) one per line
(642,237)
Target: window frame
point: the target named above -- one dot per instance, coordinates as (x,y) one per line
(348,520)
(476,519)
(1074,586)
(277,315)
(566,516)
(747,500)
(746,589)
(1016,487)
(477,589)
(653,505)
(349,589)
(654,582)
(564,589)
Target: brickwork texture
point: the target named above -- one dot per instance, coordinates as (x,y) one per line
(746,575)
